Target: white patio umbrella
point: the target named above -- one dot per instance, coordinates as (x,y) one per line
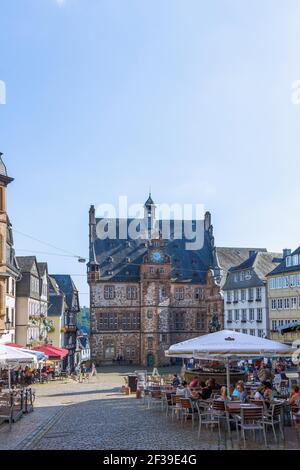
(225,345)
(11,357)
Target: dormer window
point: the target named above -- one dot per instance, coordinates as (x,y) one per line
(295,260)
(127,259)
(110,259)
(128,243)
(288,261)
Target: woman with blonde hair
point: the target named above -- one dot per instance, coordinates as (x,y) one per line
(224,393)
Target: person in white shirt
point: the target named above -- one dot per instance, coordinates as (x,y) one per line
(259,394)
(183,390)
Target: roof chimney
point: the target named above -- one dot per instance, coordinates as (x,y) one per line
(286,252)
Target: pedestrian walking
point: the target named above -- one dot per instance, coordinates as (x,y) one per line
(94,370)
(78,372)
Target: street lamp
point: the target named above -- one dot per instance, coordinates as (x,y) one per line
(7,324)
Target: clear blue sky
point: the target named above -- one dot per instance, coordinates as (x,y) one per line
(107,97)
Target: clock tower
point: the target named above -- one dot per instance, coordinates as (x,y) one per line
(155,275)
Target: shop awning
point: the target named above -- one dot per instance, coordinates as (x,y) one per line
(13,356)
(14,345)
(52,352)
(292,326)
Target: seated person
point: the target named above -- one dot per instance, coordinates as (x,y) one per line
(269,393)
(198,393)
(183,390)
(224,394)
(259,394)
(193,383)
(207,390)
(239,393)
(294,397)
(214,385)
(175,381)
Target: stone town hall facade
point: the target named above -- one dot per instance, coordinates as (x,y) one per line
(146,294)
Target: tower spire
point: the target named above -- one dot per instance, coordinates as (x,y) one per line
(149,214)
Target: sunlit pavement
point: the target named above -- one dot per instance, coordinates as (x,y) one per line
(96,415)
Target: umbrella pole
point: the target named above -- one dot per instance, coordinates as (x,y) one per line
(9,377)
(228,376)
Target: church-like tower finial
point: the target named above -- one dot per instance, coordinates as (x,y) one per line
(149,214)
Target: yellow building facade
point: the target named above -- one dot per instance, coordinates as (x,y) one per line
(284,298)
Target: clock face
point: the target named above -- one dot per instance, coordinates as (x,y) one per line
(156,257)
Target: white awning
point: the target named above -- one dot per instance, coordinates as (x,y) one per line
(10,356)
(228,344)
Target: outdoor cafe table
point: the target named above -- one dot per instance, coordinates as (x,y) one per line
(235,406)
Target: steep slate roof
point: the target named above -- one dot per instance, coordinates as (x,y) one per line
(229,256)
(53,286)
(67,286)
(56,305)
(120,259)
(26,263)
(123,257)
(282,267)
(56,298)
(260,263)
(42,268)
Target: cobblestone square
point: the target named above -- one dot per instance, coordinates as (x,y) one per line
(96,415)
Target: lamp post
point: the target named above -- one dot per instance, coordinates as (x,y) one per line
(7,324)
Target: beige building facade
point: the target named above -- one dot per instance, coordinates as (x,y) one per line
(8,268)
(284,298)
